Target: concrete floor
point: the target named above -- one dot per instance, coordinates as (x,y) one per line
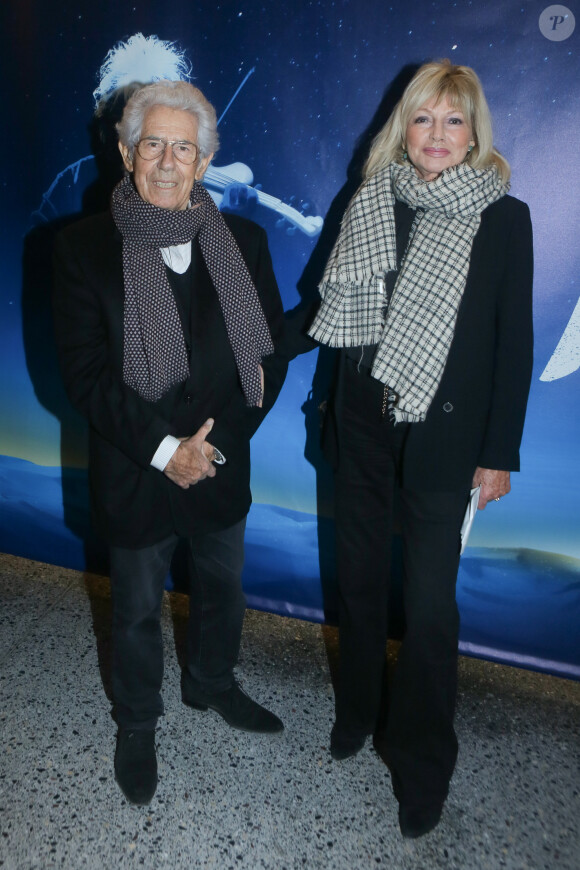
(232,800)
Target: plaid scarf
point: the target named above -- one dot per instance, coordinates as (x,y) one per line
(154,354)
(414,339)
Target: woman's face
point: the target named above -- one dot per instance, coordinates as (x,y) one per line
(438,136)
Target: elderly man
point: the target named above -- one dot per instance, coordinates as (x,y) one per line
(168,323)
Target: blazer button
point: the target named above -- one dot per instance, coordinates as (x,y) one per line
(447,407)
(188,398)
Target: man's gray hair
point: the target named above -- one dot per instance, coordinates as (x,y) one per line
(175,95)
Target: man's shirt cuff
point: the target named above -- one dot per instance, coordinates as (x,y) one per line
(164,452)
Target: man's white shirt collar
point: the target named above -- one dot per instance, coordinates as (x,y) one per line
(177,257)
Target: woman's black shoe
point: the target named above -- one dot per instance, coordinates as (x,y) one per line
(416,821)
(344,745)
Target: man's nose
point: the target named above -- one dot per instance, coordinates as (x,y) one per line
(167,159)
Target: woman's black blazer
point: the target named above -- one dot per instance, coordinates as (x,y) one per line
(477,414)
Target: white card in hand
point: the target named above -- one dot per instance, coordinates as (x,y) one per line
(469,517)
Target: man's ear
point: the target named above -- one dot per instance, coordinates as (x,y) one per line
(126,155)
(202,166)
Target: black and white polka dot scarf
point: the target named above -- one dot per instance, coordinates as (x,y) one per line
(155,355)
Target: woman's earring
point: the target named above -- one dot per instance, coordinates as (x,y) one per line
(469,149)
(405,155)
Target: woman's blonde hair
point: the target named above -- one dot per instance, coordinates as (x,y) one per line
(439,80)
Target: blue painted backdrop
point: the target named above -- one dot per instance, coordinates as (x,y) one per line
(312,81)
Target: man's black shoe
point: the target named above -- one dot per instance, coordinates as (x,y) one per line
(233,705)
(343,745)
(136,765)
(416,821)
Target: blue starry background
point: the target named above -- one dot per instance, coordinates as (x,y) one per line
(319,79)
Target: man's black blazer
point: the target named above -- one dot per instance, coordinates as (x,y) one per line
(477,414)
(134,505)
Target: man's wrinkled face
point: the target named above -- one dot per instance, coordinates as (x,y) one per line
(165,181)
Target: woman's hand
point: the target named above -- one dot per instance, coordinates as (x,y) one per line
(494,484)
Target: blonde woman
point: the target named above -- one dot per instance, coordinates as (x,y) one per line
(428,292)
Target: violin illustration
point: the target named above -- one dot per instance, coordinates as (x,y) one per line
(216,179)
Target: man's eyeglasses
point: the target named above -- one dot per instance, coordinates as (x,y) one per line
(152,149)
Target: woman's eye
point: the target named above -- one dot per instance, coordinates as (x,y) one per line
(456,121)
(421,120)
